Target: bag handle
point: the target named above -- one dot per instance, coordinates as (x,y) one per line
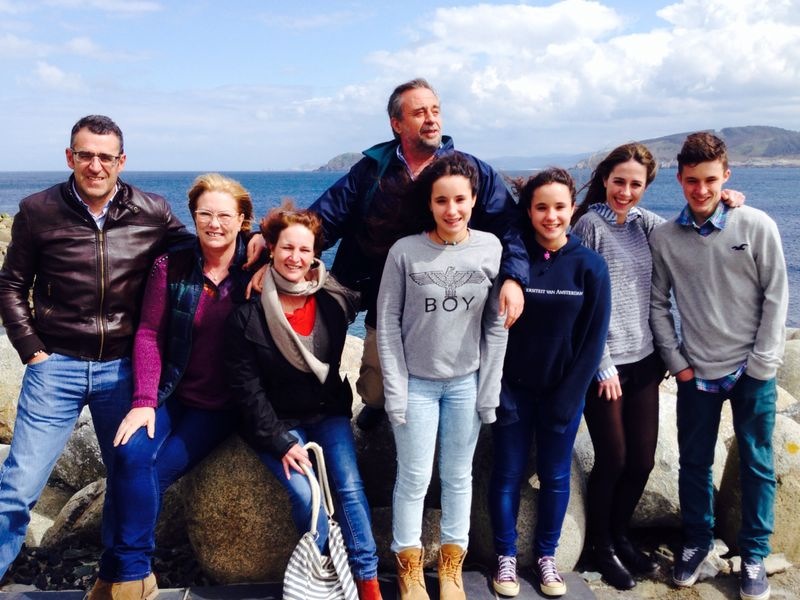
(319,485)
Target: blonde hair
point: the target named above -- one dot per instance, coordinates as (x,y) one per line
(214,182)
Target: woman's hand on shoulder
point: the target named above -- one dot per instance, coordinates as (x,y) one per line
(256,283)
(255,247)
(732,198)
(610,388)
(141,416)
(293,460)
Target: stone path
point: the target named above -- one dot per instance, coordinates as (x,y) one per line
(477,586)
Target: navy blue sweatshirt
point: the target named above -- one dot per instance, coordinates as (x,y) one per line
(555,346)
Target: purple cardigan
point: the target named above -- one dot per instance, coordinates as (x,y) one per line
(203,384)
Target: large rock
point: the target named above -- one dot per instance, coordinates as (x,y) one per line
(786,402)
(45,513)
(789,372)
(60,518)
(81,463)
(80,519)
(238,516)
(12,371)
(573,531)
(786,447)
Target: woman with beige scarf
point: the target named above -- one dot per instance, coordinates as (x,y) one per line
(282,357)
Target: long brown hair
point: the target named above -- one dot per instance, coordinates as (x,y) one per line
(596,186)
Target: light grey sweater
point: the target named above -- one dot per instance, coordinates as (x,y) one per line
(438,318)
(731,292)
(627,253)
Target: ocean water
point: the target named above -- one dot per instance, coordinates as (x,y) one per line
(773,190)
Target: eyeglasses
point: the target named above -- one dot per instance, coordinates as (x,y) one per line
(84,157)
(204,217)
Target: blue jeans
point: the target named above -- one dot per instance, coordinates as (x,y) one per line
(753,406)
(512,443)
(335,436)
(446,407)
(52,395)
(143,470)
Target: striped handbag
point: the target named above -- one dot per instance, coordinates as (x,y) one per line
(310,575)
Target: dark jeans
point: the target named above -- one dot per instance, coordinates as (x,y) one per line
(144,469)
(753,406)
(512,445)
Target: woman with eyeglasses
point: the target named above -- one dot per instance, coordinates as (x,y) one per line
(181,408)
(282,356)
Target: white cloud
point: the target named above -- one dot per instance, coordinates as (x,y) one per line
(9,7)
(52,78)
(82,46)
(124,7)
(573,64)
(514,79)
(313,20)
(12,46)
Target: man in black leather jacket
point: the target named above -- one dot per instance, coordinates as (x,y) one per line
(84,248)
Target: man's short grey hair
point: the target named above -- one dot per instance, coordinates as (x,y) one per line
(395,107)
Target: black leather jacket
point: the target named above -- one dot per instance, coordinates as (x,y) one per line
(87,283)
(272,395)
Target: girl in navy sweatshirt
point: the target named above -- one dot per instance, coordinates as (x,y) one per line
(553,353)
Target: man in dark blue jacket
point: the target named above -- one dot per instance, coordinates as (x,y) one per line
(361,210)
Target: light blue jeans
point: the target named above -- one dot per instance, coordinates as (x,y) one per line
(51,398)
(447,407)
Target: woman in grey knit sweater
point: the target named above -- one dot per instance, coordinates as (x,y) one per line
(622,407)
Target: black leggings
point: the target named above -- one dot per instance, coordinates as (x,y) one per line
(624,434)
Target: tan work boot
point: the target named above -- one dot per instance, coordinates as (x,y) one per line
(101,590)
(451,586)
(410,578)
(140,589)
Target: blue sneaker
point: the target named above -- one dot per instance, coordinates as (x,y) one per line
(688,566)
(753,583)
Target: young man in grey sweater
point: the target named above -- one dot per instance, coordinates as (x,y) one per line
(727,273)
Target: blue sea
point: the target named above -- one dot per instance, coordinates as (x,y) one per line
(773,190)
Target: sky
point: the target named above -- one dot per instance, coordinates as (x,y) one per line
(266,85)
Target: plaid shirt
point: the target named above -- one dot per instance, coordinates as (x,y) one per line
(723,384)
(715,221)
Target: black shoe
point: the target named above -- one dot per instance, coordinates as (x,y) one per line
(612,569)
(637,561)
(370,417)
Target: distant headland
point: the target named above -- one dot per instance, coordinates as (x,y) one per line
(751,146)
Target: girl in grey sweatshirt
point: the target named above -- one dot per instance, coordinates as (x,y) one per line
(441,342)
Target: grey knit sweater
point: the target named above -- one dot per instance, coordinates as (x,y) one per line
(438,318)
(731,292)
(627,253)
